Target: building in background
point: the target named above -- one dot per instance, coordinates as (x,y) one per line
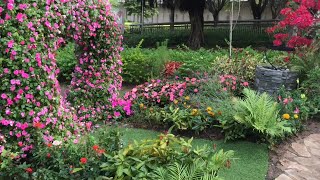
(163,15)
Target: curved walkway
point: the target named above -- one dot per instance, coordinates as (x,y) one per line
(301,161)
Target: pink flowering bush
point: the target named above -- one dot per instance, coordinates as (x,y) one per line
(232,84)
(31,109)
(161,92)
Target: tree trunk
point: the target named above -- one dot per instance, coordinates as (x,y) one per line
(196,39)
(256,15)
(215,19)
(172,11)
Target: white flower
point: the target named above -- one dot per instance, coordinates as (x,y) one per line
(56,143)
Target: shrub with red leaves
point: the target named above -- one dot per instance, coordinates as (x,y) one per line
(171,67)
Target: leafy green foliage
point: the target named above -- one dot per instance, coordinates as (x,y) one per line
(311,87)
(63,161)
(178,171)
(259,113)
(243,62)
(144,159)
(135,63)
(66,61)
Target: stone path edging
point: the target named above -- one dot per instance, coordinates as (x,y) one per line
(302,160)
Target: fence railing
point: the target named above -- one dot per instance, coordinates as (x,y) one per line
(253,26)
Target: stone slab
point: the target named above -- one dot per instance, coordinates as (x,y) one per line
(300,149)
(283,177)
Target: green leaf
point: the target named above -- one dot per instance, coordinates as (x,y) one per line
(76,170)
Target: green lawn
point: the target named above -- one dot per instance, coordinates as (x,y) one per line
(251,160)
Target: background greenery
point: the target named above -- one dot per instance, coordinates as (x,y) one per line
(213,38)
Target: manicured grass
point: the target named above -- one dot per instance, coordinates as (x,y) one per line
(250,163)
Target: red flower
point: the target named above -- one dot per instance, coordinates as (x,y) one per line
(38,125)
(48,155)
(83,160)
(95,147)
(49,145)
(100,151)
(29,170)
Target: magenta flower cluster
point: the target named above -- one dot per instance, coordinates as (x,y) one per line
(161,91)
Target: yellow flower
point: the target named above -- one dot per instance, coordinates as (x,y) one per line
(209,109)
(151,109)
(194,112)
(141,106)
(286,116)
(296,116)
(175,101)
(303,96)
(187,98)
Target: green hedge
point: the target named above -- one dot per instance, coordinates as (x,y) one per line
(213,38)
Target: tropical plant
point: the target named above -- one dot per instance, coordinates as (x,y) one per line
(195,10)
(259,114)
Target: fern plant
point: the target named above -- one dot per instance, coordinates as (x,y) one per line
(258,112)
(199,169)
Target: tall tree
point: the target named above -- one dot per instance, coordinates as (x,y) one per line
(195,8)
(134,7)
(257,7)
(215,6)
(276,6)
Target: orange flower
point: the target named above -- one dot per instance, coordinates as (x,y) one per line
(49,145)
(286,116)
(83,160)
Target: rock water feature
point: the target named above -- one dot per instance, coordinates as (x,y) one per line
(270,79)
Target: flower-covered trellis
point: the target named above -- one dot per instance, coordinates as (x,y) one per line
(31,109)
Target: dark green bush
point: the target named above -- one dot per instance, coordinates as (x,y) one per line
(66,61)
(213,38)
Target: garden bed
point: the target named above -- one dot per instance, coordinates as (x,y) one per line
(250,162)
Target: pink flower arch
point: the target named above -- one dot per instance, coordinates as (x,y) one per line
(31,108)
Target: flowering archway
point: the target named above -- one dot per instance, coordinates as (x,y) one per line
(31,109)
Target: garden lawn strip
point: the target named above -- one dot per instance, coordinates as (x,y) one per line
(250,160)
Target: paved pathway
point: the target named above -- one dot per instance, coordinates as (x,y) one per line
(302,160)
